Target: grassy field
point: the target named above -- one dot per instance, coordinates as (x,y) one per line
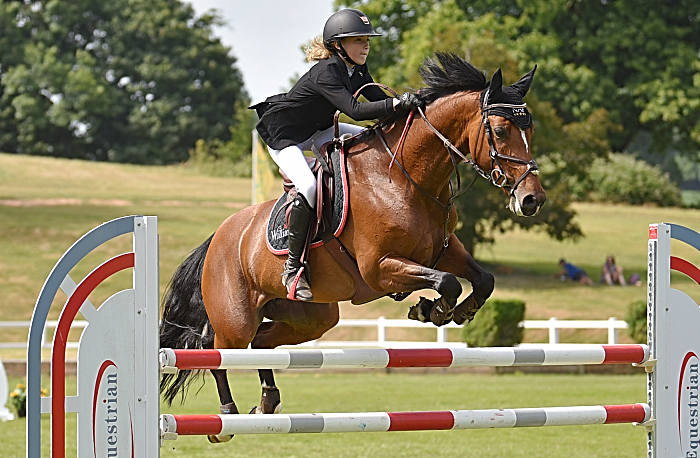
(377,391)
(46,204)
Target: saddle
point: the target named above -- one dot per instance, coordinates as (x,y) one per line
(331,214)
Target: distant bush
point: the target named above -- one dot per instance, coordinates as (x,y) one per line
(215,159)
(637,321)
(496,324)
(623,179)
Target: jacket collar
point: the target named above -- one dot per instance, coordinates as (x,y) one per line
(343,70)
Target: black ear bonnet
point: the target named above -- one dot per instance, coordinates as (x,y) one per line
(507,101)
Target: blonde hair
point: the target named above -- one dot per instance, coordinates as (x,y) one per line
(317,50)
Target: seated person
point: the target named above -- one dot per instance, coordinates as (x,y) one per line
(574,273)
(612,273)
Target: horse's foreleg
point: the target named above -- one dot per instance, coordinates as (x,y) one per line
(399,274)
(459,262)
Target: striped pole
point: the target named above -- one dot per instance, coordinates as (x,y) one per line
(186,425)
(547,355)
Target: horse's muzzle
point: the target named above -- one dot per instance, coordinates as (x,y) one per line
(528,205)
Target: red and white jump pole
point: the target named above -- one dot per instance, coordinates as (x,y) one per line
(174,425)
(546,355)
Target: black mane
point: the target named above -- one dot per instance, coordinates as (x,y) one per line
(446,74)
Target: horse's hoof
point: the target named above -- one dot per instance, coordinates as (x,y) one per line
(421,311)
(224,409)
(255,410)
(465,312)
(259,410)
(220,439)
(441,312)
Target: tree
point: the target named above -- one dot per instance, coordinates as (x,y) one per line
(122,80)
(638,60)
(602,78)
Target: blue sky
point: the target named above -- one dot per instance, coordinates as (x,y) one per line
(266,37)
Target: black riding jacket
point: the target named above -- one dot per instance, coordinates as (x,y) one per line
(291,118)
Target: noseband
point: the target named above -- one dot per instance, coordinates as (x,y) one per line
(497,177)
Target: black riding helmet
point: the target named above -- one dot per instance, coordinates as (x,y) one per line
(346,23)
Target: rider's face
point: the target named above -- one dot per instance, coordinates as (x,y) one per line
(357,48)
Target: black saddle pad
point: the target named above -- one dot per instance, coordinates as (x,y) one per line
(277,232)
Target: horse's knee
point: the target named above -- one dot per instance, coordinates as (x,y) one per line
(449,287)
(483,286)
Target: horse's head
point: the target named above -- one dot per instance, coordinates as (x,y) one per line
(505,151)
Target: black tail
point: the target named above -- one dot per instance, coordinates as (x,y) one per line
(185,322)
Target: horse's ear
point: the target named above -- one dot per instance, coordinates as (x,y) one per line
(524,83)
(496,85)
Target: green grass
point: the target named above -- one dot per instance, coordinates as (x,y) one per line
(378,391)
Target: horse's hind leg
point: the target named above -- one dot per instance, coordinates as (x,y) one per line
(270,401)
(226,400)
(292,323)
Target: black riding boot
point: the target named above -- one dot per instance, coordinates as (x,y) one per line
(299,219)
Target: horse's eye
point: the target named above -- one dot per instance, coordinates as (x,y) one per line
(501,132)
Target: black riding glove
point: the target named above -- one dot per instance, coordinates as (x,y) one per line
(409,101)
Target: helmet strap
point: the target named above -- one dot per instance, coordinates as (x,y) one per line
(342,52)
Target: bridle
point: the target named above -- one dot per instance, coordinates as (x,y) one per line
(497,177)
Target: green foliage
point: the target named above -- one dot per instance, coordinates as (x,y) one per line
(496,324)
(621,178)
(636,319)
(121,80)
(214,158)
(231,158)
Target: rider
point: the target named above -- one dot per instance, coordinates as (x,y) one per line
(292,122)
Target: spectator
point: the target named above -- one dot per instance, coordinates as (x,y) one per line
(574,273)
(635,280)
(612,273)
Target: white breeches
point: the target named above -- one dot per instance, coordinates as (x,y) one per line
(291,159)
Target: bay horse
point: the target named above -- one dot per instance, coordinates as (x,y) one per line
(399,229)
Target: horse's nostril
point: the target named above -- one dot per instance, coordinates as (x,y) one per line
(529,205)
(529,201)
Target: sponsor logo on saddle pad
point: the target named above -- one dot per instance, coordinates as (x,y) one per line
(279,233)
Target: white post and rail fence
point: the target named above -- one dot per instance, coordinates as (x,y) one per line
(381,324)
